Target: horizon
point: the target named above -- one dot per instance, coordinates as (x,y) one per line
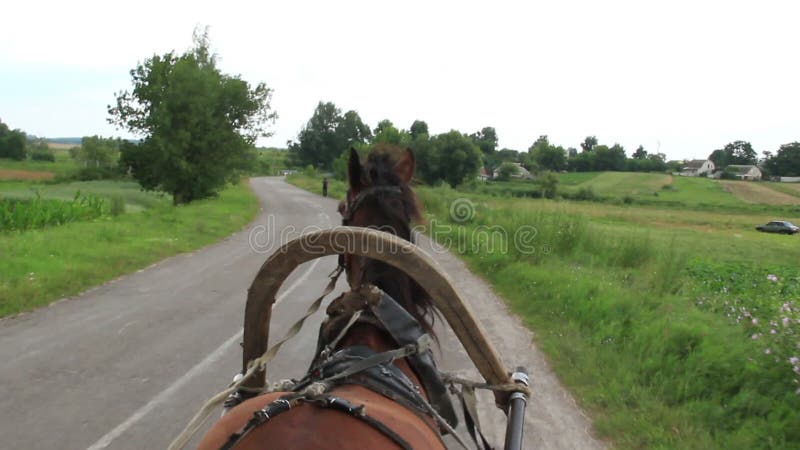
(681,79)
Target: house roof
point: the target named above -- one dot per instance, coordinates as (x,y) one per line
(696,163)
(741,169)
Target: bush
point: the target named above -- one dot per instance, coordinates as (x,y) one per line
(43,155)
(585,193)
(117,205)
(95,173)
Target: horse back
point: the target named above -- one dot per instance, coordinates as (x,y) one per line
(310,427)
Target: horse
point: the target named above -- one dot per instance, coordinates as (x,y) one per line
(400,402)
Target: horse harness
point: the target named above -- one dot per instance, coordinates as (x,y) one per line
(360,365)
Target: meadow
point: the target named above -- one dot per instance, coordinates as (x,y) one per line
(71,241)
(674,326)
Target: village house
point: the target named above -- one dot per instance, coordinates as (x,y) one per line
(745,172)
(521,172)
(698,168)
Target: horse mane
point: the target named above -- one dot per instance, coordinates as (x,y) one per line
(378,170)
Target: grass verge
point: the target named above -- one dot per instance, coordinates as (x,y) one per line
(669,335)
(39,266)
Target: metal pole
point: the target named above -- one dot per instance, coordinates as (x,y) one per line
(516,412)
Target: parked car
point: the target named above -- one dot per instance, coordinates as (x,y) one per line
(778,226)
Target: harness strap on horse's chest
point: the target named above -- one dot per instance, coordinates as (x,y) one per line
(286,402)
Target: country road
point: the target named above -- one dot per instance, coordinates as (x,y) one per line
(127,364)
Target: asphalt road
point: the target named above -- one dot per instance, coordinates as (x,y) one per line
(127,364)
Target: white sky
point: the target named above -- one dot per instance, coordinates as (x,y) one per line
(683,76)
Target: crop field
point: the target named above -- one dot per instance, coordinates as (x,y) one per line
(675,324)
(129,191)
(759,193)
(10,174)
(787,188)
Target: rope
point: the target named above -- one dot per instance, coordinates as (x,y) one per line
(449,378)
(202,415)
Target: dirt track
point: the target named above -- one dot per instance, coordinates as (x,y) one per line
(7,174)
(126,365)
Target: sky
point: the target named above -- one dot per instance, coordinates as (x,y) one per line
(679,77)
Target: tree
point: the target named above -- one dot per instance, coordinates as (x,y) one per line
(458,158)
(387,133)
(351,130)
(606,158)
(549,183)
(199,125)
(417,128)
(589,143)
(736,152)
(786,162)
(96,151)
(640,153)
(486,140)
(548,156)
(383,125)
(12,143)
(506,171)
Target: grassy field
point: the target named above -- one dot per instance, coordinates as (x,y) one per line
(135,199)
(758,193)
(63,166)
(40,266)
(674,326)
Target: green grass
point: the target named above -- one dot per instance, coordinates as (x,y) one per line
(615,306)
(786,188)
(618,184)
(40,266)
(645,311)
(576,178)
(63,165)
(130,191)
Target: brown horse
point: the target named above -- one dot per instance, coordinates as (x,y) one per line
(366,417)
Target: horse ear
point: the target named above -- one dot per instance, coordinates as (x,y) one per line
(354,169)
(404,169)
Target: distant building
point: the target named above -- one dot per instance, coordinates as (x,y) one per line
(698,168)
(521,172)
(483,175)
(745,172)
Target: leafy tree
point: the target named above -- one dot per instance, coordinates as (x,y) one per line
(736,153)
(606,158)
(506,171)
(96,151)
(351,130)
(486,140)
(589,143)
(427,159)
(318,142)
(547,156)
(12,143)
(719,158)
(572,152)
(387,133)
(786,162)
(327,135)
(640,153)
(199,125)
(383,125)
(549,183)
(458,158)
(417,128)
